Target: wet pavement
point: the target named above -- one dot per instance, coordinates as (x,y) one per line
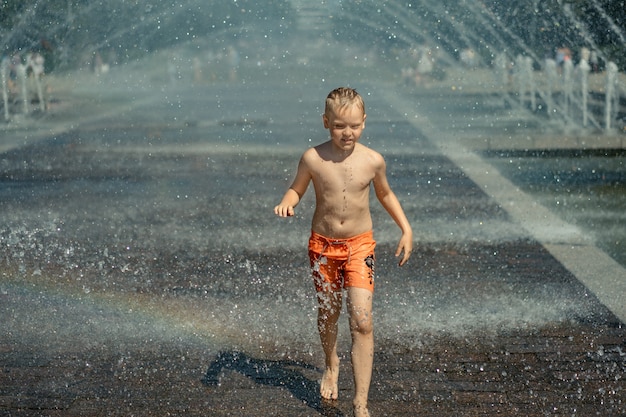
(144,275)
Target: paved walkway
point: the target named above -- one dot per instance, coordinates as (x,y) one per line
(574,367)
(570,367)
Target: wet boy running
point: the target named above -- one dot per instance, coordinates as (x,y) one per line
(341,246)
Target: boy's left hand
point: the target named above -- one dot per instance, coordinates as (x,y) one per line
(406,246)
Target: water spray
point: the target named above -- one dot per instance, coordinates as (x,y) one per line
(4,67)
(584,69)
(611,96)
(36,64)
(21,76)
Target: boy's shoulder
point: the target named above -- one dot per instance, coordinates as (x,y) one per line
(316,150)
(367,149)
(370,153)
(311,157)
(312,151)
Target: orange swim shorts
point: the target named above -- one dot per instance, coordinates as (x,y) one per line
(342,263)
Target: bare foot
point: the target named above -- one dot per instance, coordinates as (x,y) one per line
(360,411)
(328,384)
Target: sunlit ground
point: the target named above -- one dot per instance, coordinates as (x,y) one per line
(583,188)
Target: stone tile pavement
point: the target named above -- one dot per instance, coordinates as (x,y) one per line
(570,368)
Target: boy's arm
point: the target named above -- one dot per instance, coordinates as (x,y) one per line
(295,192)
(287,204)
(392,205)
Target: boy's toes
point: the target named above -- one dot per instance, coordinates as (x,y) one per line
(328,385)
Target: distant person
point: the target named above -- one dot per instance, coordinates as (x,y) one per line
(563,55)
(341,246)
(426,62)
(14,65)
(99,66)
(594,61)
(37,64)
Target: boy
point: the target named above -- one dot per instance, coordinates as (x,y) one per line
(341,246)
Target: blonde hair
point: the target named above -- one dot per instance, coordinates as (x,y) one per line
(343,97)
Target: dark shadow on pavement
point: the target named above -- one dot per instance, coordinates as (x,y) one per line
(282,373)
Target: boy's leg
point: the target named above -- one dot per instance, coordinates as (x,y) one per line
(329,308)
(359,304)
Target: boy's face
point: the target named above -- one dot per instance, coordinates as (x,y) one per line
(345,125)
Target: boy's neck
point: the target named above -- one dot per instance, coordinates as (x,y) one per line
(339,155)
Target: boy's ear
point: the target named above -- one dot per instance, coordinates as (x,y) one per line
(325,120)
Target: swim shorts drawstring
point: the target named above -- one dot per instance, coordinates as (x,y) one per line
(337,242)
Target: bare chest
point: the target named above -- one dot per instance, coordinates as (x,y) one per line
(343,177)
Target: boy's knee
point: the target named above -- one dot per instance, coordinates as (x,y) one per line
(361,323)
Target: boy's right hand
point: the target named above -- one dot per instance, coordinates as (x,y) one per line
(284,211)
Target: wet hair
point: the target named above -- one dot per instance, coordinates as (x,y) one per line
(343,97)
